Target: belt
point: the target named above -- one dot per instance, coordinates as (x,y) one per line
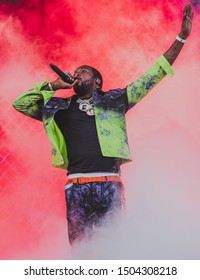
(82,180)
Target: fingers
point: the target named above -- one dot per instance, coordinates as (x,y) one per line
(60,84)
(70,76)
(69,86)
(75,82)
(188,11)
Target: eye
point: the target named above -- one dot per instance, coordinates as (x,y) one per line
(83,71)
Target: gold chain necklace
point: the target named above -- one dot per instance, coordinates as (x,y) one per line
(86,105)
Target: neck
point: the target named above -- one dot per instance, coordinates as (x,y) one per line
(88,94)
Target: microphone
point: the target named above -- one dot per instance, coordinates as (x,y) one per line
(66,78)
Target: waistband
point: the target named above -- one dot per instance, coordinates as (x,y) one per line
(92,174)
(83,180)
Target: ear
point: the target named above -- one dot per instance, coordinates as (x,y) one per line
(98,81)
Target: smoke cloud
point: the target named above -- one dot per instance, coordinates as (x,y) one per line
(121,39)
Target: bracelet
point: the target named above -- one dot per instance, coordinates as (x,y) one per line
(178,38)
(50,86)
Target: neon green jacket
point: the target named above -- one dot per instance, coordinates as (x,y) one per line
(109,113)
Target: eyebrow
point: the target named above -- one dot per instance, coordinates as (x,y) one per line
(83,68)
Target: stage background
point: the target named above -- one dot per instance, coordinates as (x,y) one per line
(121,39)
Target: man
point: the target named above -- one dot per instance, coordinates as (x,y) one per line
(88,134)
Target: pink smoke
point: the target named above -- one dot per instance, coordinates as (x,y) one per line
(122,39)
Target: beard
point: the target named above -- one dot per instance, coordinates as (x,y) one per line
(82,89)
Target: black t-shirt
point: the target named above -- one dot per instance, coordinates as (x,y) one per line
(83,147)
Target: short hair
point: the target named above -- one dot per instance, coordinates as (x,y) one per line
(96,73)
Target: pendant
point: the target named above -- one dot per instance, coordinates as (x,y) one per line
(90,112)
(86,106)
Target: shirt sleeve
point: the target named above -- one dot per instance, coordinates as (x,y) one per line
(138,89)
(31,102)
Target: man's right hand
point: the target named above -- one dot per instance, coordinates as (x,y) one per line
(60,84)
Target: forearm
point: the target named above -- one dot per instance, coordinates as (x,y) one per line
(172,53)
(31,102)
(140,88)
(46,87)
(58,84)
(53,86)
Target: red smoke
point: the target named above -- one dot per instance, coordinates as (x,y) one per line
(121,39)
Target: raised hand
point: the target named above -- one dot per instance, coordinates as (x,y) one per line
(186,22)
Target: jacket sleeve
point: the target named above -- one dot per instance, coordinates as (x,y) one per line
(31,102)
(138,89)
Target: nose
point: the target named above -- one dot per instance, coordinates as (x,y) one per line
(77,76)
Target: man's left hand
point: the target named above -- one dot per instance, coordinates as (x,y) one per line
(186,22)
